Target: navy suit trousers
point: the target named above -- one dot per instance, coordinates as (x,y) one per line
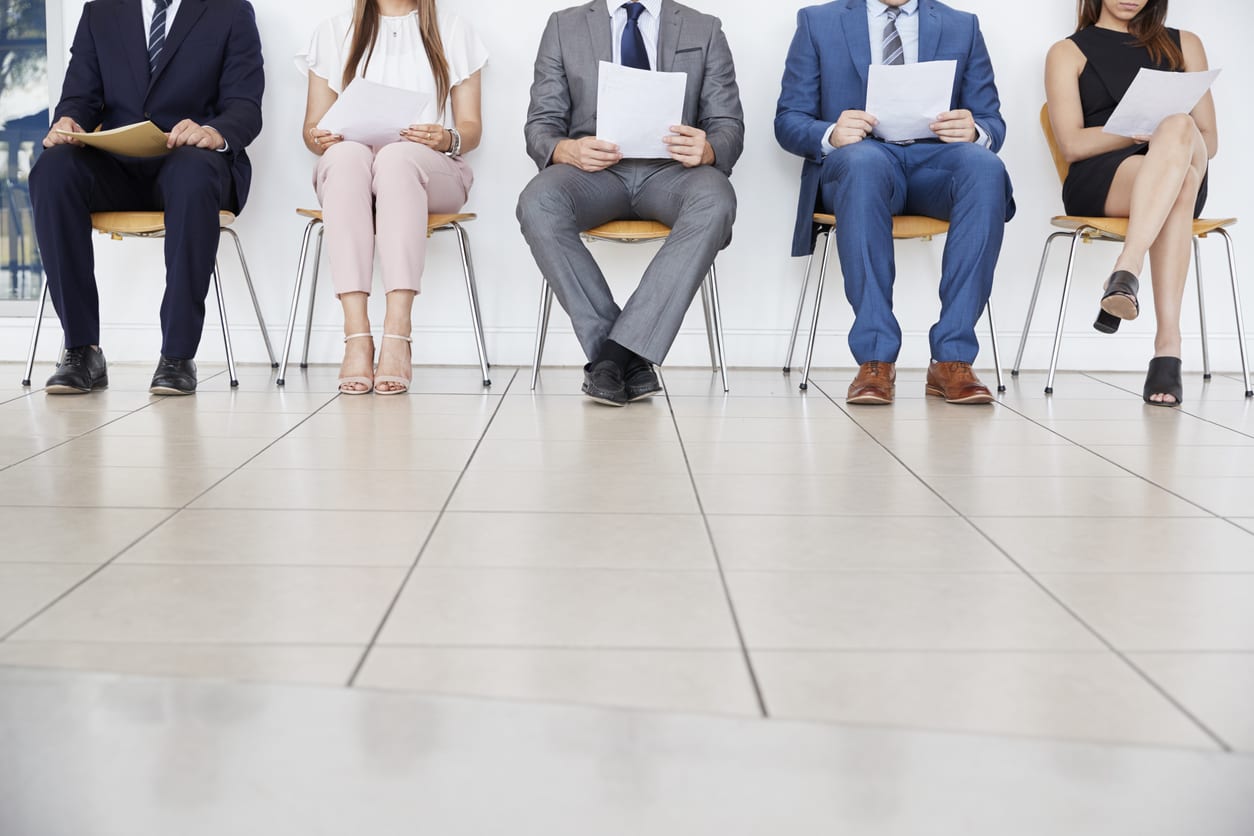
(191,185)
(865,184)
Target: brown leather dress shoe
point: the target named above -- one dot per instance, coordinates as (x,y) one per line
(956,383)
(875,384)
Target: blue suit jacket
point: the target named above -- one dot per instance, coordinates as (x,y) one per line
(826,74)
(210,71)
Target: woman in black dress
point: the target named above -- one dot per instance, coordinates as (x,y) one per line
(1158,182)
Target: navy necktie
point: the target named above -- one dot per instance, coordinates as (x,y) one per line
(156,34)
(633,52)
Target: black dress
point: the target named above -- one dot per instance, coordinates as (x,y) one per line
(1114,58)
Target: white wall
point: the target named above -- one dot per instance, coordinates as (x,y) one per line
(759,280)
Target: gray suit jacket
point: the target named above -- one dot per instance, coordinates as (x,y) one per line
(564,93)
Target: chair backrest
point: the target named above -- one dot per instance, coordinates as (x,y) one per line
(1059,162)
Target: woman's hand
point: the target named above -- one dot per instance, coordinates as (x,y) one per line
(435,137)
(322,140)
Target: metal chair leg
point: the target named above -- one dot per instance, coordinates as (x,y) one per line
(1236,304)
(1036,292)
(814,322)
(801,303)
(718,326)
(992,328)
(472,292)
(1062,311)
(542,329)
(708,311)
(291,316)
(226,330)
(313,295)
(34,335)
(252,292)
(1201,307)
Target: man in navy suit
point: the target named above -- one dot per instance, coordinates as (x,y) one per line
(954,174)
(194,68)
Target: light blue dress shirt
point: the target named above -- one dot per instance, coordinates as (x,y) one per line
(908,31)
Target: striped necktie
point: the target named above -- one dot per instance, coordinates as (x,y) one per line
(894,52)
(156,34)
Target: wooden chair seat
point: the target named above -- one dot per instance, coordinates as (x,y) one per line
(904,226)
(629,231)
(1116,229)
(140,223)
(434,222)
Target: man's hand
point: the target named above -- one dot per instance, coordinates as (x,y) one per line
(65,123)
(587,153)
(689,147)
(188,132)
(955,126)
(852,126)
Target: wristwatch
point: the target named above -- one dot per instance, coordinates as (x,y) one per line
(455,143)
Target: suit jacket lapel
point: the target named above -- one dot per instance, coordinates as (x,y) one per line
(600,31)
(929,31)
(134,40)
(857,37)
(189,13)
(669,25)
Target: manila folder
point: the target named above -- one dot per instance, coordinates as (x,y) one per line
(143,139)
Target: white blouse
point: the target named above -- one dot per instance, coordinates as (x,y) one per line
(399,59)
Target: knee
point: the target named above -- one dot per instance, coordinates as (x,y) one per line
(980,174)
(541,202)
(862,164)
(59,166)
(1179,129)
(713,200)
(346,155)
(198,168)
(400,159)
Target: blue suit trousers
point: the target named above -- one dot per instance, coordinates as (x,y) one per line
(865,184)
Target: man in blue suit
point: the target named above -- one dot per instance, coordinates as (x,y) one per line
(194,68)
(954,175)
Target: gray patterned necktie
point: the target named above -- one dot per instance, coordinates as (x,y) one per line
(894,52)
(156,34)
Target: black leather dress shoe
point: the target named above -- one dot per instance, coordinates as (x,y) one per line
(604,383)
(640,381)
(174,377)
(81,370)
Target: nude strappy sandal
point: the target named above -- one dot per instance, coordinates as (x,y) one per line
(402,382)
(364,381)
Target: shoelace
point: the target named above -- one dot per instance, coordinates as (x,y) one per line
(74,358)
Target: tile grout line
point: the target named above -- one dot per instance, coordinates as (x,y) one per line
(413,566)
(1180,409)
(173,513)
(1223,745)
(722,573)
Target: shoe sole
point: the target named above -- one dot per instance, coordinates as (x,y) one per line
(1121,306)
(60,389)
(169,390)
(933,392)
(644,395)
(604,401)
(869,400)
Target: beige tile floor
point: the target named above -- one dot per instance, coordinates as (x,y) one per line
(1075,568)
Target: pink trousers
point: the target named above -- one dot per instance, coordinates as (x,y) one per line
(379,198)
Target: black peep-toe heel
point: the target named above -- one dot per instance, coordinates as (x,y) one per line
(1164,378)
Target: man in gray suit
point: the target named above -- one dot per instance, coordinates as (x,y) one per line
(584,181)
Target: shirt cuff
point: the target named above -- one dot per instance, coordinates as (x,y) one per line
(226,146)
(981,138)
(827,145)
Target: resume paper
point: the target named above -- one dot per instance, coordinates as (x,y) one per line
(1153,96)
(636,109)
(373,114)
(907,98)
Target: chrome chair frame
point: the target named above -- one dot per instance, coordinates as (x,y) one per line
(826,230)
(217,284)
(468,270)
(710,304)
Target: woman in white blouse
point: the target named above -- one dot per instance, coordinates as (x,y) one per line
(377,198)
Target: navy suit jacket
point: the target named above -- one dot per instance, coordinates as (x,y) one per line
(826,74)
(209,71)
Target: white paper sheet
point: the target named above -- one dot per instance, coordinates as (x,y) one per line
(373,114)
(1153,96)
(907,98)
(636,109)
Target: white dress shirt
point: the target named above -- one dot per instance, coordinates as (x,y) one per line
(149,8)
(908,31)
(649,24)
